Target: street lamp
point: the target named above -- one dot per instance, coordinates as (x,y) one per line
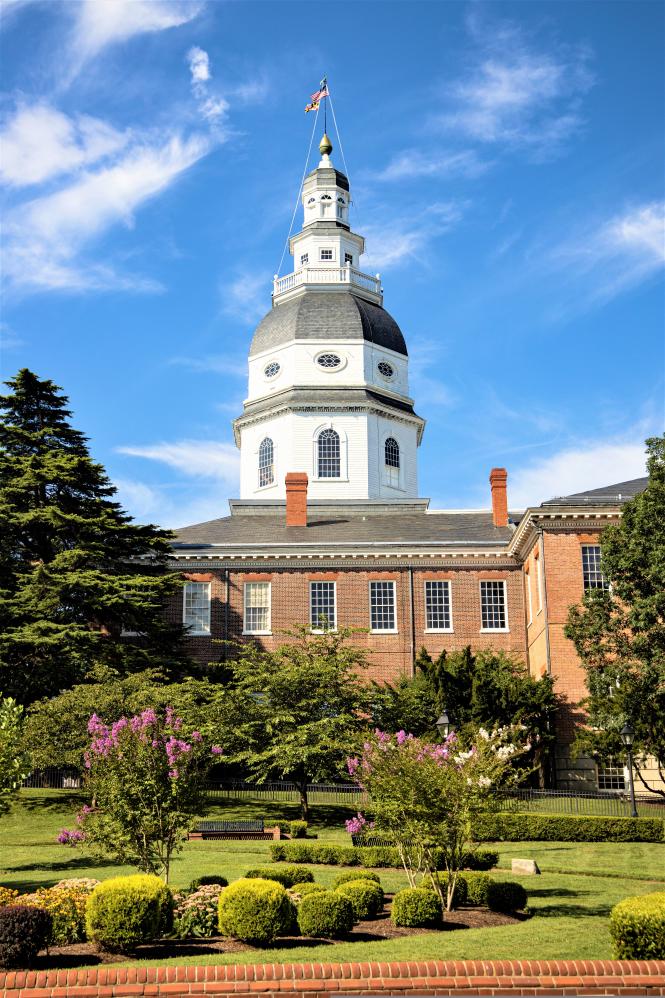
(627,737)
(444,724)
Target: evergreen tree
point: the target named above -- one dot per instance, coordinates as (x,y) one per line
(75,571)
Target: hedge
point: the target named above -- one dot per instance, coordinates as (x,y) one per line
(287,876)
(416,908)
(366,897)
(368,856)
(255,911)
(637,927)
(508,827)
(506,895)
(125,911)
(326,914)
(23,932)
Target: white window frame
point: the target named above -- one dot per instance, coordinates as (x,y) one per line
(348,259)
(191,632)
(494,630)
(343,454)
(440,630)
(392,476)
(383,630)
(245,629)
(273,482)
(607,774)
(304,259)
(604,584)
(326,259)
(315,629)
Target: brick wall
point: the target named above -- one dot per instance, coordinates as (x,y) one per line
(449,977)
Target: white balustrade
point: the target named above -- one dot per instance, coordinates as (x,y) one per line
(327,275)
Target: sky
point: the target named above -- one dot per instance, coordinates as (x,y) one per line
(506,165)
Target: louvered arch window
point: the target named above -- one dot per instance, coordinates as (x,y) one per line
(266,462)
(391,457)
(328,453)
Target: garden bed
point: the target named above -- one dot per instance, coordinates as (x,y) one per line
(370,930)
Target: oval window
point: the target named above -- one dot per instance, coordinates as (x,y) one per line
(272,370)
(386,369)
(328,360)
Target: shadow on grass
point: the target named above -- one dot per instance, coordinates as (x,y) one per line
(64,800)
(566,909)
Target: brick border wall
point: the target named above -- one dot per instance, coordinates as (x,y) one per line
(450,977)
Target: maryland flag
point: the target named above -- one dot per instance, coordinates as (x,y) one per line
(316,98)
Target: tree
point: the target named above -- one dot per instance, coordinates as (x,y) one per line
(619,632)
(75,571)
(307,706)
(488,689)
(13,760)
(426,796)
(147,781)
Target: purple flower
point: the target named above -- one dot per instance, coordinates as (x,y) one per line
(355,825)
(70,837)
(173,773)
(401,737)
(196,736)
(217,750)
(352,765)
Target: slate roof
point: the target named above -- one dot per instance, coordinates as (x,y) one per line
(612,494)
(349,529)
(337,315)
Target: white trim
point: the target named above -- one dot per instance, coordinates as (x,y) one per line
(529,597)
(191,633)
(439,630)
(494,630)
(244,608)
(382,630)
(320,630)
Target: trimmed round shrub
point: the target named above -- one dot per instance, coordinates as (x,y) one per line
(325,914)
(345,878)
(366,897)
(205,881)
(255,911)
(23,932)
(460,892)
(302,890)
(297,829)
(637,927)
(123,912)
(416,908)
(477,885)
(287,876)
(506,895)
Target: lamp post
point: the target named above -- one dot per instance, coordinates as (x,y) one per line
(444,724)
(627,736)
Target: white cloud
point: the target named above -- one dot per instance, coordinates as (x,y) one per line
(213,364)
(205,459)
(169,507)
(413,164)
(199,64)
(44,237)
(40,142)
(246,296)
(213,108)
(99,23)
(400,240)
(573,470)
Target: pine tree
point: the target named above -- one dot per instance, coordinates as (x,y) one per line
(75,571)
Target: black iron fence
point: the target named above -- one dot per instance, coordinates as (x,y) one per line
(54,778)
(568,802)
(317,793)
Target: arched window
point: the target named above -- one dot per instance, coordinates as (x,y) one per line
(266,466)
(328,454)
(392,462)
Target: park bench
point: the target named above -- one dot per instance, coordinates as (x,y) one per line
(252,829)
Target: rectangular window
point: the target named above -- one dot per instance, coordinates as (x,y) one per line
(322,606)
(348,258)
(437,606)
(611,777)
(257,608)
(593,577)
(326,254)
(196,607)
(493,606)
(382,606)
(529,598)
(304,259)
(539,584)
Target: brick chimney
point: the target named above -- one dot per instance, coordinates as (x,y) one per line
(296,499)
(498,480)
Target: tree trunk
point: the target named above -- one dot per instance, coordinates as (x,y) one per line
(304,801)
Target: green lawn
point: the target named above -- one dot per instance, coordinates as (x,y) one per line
(570,901)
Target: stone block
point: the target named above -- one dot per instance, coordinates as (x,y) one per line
(524,866)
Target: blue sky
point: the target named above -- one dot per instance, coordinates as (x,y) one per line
(506,162)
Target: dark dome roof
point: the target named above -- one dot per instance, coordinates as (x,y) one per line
(337,315)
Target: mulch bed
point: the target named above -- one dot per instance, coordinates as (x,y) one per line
(372,930)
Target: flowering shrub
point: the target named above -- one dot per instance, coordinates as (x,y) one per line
(355,826)
(195,914)
(426,796)
(65,903)
(70,836)
(147,778)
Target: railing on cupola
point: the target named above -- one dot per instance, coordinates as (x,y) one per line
(345,276)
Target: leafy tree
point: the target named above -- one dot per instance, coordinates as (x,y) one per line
(426,796)
(147,780)
(488,689)
(56,730)
(307,705)
(13,760)
(619,633)
(75,571)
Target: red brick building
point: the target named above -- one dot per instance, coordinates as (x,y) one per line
(329,523)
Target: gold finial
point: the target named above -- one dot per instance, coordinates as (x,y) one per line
(325,145)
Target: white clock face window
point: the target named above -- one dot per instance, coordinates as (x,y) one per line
(328,360)
(272,370)
(386,369)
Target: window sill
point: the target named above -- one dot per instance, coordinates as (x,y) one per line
(198,634)
(385,630)
(258,633)
(330,479)
(495,630)
(438,630)
(328,630)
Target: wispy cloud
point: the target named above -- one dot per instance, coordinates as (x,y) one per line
(516,94)
(100,23)
(246,296)
(213,364)
(586,466)
(45,237)
(40,142)
(413,164)
(170,506)
(206,459)
(403,239)
(214,108)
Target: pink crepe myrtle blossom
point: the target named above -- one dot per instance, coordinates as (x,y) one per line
(70,837)
(217,750)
